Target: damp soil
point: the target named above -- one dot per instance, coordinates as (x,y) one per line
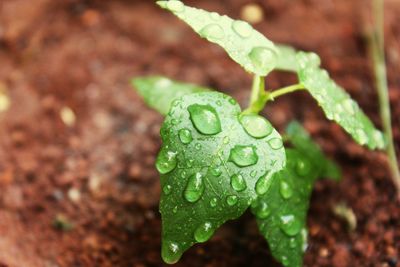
(78,185)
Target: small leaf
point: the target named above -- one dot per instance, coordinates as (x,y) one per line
(302,142)
(336,103)
(252,50)
(281,212)
(159,92)
(214,175)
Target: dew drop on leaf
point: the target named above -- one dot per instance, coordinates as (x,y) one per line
(292,242)
(226,140)
(275,143)
(262,185)
(238,183)
(253,173)
(285,190)
(213,202)
(166,161)
(243,156)
(243,29)
(175,209)
(203,232)
(170,252)
(285,261)
(361,136)
(167,189)
(194,188)
(231,200)
(262,210)
(215,16)
(216,171)
(185,136)
(205,119)
(290,225)
(303,167)
(256,126)
(197,146)
(263,58)
(212,32)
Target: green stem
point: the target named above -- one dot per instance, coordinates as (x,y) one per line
(378,57)
(285,90)
(257,96)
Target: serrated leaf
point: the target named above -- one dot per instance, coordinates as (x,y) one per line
(213,162)
(281,212)
(252,50)
(302,142)
(159,92)
(336,102)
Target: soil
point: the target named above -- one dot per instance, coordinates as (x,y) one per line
(77,144)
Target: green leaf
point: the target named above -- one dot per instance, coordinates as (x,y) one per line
(287,60)
(252,50)
(281,212)
(302,142)
(336,103)
(213,162)
(159,92)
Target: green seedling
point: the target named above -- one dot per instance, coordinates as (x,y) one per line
(218,160)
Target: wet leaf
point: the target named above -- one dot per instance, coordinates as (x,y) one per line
(287,60)
(159,92)
(302,142)
(214,175)
(252,50)
(336,102)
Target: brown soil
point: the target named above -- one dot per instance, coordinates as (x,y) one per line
(85,193)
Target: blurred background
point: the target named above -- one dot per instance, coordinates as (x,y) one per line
(78,185)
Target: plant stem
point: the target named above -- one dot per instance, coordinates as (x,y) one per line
(257,96)
(378,57)
(285,90)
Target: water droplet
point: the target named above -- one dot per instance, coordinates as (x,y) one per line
(167,189)
(243,156)
(212,32)
(285,189)
(185,136)
(204,232)
(262,185)
(238,183)
(226,140)
(256,126)
(350,106)
(263,59)
(175,6)
(170,252)
(253,173)
(213,202)
(304,239)
(231,200)
(219,103)
(216,171)
(275,143)
(303,167)
(243,29)
(175,121)
(183,174)
(232,101)
(205,119)
(262,210)
(194,188)
(285,261)
(166,161)
(290,225)
(197,146)
(175,209)
(292,242)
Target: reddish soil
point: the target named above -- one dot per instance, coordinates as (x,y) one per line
(86,194)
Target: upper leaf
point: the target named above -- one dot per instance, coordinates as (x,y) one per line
(336,103)
(252,50)
(281,212)
(213,162)
(302,142)
(159,92)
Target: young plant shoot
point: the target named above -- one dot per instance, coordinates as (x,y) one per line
(218,160)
